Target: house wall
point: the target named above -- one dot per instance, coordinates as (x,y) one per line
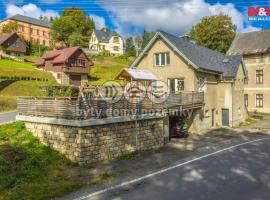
(178,68)
(99,46)
(253,63)
(218,95)
(25,30)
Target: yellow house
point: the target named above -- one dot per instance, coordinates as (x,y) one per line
(188,67)
(255,49)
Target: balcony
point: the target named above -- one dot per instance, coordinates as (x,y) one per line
(76,69)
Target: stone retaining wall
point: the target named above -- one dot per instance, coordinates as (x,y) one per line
(90,144)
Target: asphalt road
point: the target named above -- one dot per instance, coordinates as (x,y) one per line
(237,173)
(8,117)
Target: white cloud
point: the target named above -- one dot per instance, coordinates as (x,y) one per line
(174,16)
(99,21)
(30,10)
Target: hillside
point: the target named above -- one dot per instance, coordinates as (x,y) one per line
(20,79)
(24,79)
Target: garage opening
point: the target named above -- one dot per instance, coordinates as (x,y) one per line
(75,79)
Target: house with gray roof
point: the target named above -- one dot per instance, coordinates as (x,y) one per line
(189,70)
(255,48)
(32,29)
(106,41)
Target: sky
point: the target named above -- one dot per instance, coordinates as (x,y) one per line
(131,17)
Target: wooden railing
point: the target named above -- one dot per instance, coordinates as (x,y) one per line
(87,108)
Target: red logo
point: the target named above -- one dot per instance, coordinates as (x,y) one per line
(258,11)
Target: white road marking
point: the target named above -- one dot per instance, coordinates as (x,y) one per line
(165,170)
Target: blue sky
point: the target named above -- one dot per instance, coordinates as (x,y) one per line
(130,17)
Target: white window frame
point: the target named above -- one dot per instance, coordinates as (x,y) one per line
(159,55)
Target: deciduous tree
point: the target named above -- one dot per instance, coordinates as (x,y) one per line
(215,32)
(72,23)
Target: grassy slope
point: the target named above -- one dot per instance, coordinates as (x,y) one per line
(106,69)
(102,71)
(30,170)
(9,94)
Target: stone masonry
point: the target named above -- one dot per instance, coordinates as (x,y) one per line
(90,144)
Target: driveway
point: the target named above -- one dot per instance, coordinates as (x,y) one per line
(199,167)
(7,117)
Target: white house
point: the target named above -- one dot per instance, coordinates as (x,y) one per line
(105,39)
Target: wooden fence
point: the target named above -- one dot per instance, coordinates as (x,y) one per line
(89,107)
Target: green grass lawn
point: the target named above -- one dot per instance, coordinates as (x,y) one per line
(15,65)
(31,171)
(8,95)
(101,73)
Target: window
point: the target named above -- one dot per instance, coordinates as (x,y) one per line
(202,84)
(246,99)
(21,28)
(180,85)
(162,59)
(58,75)
(259,100)
(78,62)
(116,48)
(44,42)
(259,76)
(30,30)
(37,32)
(115,39)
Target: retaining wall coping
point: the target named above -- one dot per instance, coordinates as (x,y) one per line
(83,123)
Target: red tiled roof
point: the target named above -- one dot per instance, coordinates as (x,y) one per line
(58,56)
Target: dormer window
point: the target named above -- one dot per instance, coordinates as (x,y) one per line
(162,59)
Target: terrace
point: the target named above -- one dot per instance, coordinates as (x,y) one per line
(87,106)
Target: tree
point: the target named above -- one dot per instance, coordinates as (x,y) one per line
(215,32)
(147,36)
(10,27)
(72,23)
(130,48)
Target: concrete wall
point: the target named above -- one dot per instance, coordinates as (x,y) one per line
(93,143)
(253,63)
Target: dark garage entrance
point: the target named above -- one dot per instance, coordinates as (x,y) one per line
(225,117)
(75,79)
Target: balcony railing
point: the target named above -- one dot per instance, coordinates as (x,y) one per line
(93,108)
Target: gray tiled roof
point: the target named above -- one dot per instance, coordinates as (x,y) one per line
(205,58)
(250,43)
(103,36)
(31,20)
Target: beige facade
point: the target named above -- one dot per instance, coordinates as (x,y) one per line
(31,32)
(220,95)
(257,89)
